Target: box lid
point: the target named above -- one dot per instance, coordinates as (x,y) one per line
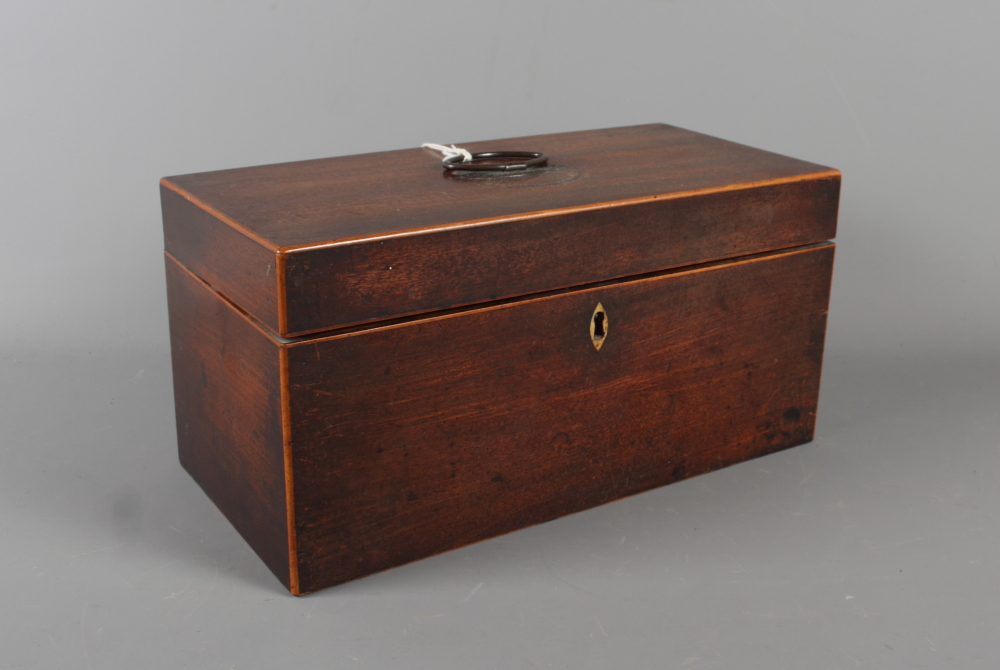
(321,244)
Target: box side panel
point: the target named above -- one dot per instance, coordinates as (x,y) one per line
(412,440)
(233,264)
(227,395)
(381,279)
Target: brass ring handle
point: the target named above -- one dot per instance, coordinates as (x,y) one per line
(497,161)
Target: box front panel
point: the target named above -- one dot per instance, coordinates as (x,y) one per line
(419,438)
(383,279)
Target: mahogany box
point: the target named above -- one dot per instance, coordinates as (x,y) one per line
(376,360)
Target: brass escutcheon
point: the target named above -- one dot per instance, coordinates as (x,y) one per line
(598,326)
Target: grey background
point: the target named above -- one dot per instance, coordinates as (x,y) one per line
(874,546)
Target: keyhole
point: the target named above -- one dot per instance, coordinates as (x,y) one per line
(598,326)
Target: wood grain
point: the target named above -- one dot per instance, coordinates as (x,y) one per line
(376,361)
(233,264)
(411,440)
(383,279)
(227,397)
(365,238)
(328,200)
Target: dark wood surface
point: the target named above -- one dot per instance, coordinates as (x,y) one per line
(373,195)
(411,440)
(233,264)
(227,396)
(446,384)
(359,283)
(358,239)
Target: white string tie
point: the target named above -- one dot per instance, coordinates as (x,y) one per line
(449,152)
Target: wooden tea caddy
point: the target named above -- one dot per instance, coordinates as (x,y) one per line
(376,360)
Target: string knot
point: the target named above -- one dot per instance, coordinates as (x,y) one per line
(449,151)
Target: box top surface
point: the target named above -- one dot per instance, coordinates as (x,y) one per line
(330,201)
